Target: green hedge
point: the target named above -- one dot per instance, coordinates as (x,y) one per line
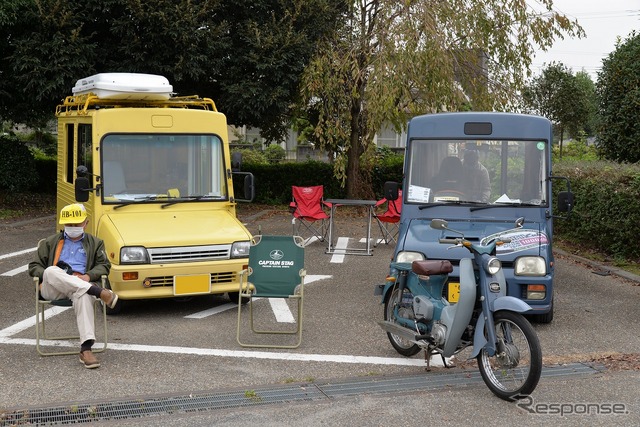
(273,181)
(607,206)
(17,166)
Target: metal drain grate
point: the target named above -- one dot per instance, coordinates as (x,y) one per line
(197,402)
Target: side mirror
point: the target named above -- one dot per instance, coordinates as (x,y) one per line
(82,189)
(243,182)
(236,161)
(390,190)
(565,201)
(82,171)
(249,187)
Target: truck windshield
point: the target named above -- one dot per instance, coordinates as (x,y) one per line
(483,172)
(157,168)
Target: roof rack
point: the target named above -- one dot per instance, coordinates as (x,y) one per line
(81,104)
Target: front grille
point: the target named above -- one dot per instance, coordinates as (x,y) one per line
(216,278)
(189,253)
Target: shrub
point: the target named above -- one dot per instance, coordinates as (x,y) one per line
(17,166)
(275,153)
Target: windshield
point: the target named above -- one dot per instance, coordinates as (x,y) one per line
(484,172)
(154,167)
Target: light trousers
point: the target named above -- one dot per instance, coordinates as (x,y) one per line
(57,284)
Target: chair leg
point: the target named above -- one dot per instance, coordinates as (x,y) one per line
(41,332)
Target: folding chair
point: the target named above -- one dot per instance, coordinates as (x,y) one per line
(41,316)
(276,270)
(388,219)
(308,207)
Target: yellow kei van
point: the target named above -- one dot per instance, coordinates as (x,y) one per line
(154,172)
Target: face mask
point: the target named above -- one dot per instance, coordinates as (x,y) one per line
(74,232)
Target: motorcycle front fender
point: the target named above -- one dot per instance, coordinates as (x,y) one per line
(511,304)
(502,303)
(479,341)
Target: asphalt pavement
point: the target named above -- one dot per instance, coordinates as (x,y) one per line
(166,366)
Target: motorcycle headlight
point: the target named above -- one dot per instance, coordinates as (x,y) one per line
(240,249)
(530,266)
(406,256)
(134,255)
(493,265)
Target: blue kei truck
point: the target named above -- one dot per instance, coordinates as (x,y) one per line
(487,174)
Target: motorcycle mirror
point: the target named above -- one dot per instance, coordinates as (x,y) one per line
(520,222)
(439,224)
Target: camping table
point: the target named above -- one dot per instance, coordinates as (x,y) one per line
(369,204)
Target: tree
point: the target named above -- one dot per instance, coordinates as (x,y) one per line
(618,101)
(246,54)
(392,60)
(565,99)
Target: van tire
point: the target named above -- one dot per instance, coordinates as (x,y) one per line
(233,296)
(543,318)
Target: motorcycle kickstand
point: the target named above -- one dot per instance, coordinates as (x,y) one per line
(427,360)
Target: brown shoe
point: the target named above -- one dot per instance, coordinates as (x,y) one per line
(109,297)
(89,360)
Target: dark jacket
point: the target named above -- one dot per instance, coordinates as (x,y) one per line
(97,262)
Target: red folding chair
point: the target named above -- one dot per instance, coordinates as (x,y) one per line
(389,219)
(308,207)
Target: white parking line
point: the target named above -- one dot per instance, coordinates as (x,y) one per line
(15,271)
(230,306)
(340,250)
(12,254)
(243,354)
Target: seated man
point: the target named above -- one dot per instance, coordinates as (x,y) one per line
(477,185)
(66,264)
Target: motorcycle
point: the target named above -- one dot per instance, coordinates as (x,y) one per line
(417,316)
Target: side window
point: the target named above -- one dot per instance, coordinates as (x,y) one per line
(69,163)
(85,156)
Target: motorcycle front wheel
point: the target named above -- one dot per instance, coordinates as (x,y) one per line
(514,370)
(402,346)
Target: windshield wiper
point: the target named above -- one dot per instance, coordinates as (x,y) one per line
(504,205)
(188,199)
(448,202)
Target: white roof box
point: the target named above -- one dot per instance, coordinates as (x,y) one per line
(125,86)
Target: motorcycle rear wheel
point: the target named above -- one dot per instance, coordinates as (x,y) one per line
(514,371)
(402,346)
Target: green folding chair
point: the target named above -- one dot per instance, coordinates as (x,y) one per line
(276,270)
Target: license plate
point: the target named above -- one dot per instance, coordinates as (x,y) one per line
(192,284)
(453,293)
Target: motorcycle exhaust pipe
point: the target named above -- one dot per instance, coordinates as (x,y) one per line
(402,332)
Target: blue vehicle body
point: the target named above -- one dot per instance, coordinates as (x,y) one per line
(515,151)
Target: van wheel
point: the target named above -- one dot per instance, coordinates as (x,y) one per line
(543,318)
(233,296)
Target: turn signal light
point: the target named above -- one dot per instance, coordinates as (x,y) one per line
(130,275)
(536,291)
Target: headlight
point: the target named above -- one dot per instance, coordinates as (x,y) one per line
(134,255)
(493,265)
(240,249)
(409,256)
(530,266)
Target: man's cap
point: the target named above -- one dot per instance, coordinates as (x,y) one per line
(73,214)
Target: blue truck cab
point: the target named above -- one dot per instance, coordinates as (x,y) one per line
(481,172)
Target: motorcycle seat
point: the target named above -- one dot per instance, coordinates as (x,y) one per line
(430,267)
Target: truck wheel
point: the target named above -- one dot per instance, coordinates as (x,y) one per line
(543,318)
(233,296)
